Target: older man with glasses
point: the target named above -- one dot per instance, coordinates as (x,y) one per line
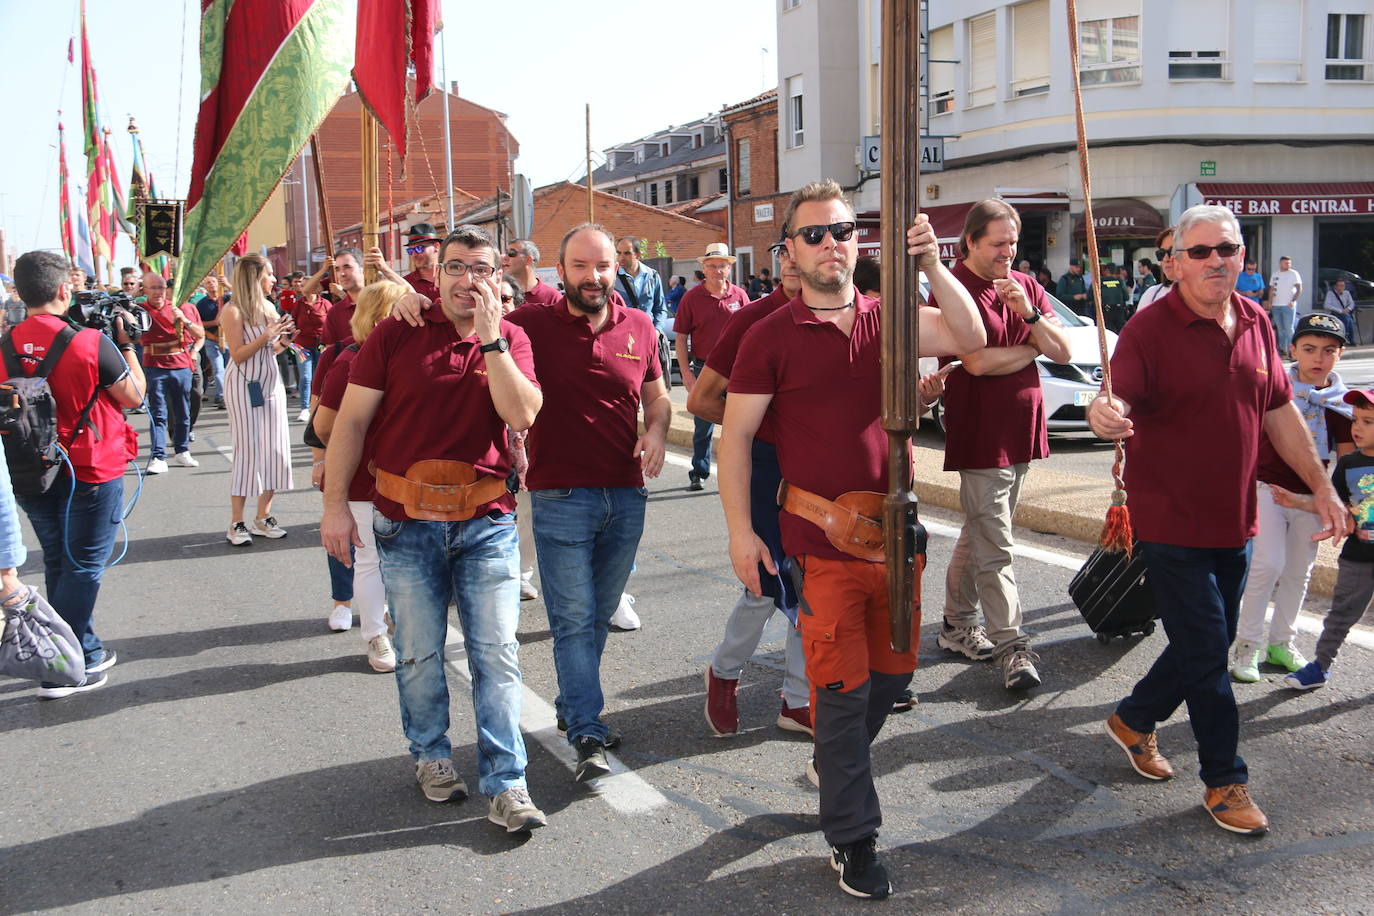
(1199,375)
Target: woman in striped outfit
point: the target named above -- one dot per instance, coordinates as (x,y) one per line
(253,391)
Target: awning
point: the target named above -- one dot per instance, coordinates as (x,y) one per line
(1307,198)
(1121,219)
(1030,200)
(947,221)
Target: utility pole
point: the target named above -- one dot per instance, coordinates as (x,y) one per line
(591,210)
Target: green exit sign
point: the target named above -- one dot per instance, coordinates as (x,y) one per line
(1208,166)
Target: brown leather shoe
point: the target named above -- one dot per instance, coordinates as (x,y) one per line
(1233,809)
(1141,749)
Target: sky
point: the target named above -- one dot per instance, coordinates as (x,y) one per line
(640,65)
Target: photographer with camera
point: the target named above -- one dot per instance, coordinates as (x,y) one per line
(77,517)
(167,358)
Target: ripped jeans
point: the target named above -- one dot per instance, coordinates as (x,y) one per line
(425,567)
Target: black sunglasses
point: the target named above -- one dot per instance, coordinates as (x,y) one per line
(814,235)
(1203,252)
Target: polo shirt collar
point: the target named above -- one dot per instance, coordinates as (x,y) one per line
(1175,306)
(614,313)
(803,315)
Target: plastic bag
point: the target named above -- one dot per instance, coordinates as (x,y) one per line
(38,645)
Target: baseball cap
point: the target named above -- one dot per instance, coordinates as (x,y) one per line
(1360,397)
(1320,323)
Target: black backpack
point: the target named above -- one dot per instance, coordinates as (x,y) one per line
(28,418)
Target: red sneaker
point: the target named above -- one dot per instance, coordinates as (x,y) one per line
(722,714)
(795,719)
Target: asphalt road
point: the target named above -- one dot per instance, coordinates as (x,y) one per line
(243,758)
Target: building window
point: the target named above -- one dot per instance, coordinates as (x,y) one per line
(1345,41)
(653,193)
(1198,34)
(665,150)
(668,191)
(796,135)
(1109,51)
(982,56)
(742,165)
(790,5)
(1278,41)
(724,181)
(1030,49)
(942,64)
(693,187)
(1197,65)
(639,196)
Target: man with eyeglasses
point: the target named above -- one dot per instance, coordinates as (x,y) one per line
(519,262)
(700,318)
(1284,289)
(994,428)
(1199,374)
(129,282)
(810,370)
(1250,283)
(422,244)
(434,405)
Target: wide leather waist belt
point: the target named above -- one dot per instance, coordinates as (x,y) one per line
(438,490)
(851,521)
(170,348)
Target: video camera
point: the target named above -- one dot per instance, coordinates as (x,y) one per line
(98,309)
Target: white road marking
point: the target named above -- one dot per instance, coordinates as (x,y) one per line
(226,453)
(624,790)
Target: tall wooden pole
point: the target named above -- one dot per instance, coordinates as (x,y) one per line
(321,201)
(591,209)
(369,146)
(901,142)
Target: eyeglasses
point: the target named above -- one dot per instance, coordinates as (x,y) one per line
(478,271)
(814,235)
(507,298)
(1160,253)
(1203,252)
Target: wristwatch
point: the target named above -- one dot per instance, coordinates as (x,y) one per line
(499,345)
(1033,317)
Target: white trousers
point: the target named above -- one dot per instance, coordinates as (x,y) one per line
(369,596)
(1280,566)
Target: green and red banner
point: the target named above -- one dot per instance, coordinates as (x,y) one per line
(64,199)
(98,196)
(271,70)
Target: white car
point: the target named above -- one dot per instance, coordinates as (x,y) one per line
(1067,388)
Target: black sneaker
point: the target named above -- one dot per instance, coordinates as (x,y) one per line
(591,759)
(693,481)
(612,736)
(904,701)
(861,874)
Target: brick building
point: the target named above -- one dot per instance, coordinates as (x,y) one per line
(483,151)
(757,207)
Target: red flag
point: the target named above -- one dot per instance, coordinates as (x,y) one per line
(71,50)
(240,247)
(393,36)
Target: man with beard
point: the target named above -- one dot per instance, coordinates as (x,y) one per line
(434,406)
(518,262)
(744,628)
(167,359)
(702,315)
(587,464)
(422,244)
(994,427)
(811,370)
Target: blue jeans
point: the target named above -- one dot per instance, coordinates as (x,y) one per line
(89,532)
(701,437)
(586,540)
(216,355)
(425,567)
(307,368)
(340,581)
(169,388)
(1352,334)
(1282,317)
(1197,593)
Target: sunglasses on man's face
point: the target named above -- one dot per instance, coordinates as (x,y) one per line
(416,249)
(1203,252)
(814,235)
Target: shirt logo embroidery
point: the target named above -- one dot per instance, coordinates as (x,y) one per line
(630,347)
(1263,367)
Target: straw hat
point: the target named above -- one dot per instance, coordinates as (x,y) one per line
(716,250)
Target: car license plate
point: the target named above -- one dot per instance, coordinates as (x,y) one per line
(1083,398)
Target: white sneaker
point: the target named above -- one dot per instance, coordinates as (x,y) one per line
(303,415)
(156,466)
(185,460)
(267,528)
(341,618)
(527,590)
(238,534)
(625,617)
(380,655)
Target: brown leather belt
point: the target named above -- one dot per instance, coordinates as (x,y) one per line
(438,490)
(164,349)
(851,521)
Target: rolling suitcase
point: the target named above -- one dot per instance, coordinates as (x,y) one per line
(1113,595)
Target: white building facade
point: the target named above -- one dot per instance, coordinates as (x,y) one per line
(1266,106)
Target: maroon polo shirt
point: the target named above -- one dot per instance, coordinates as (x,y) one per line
(331,396)
(1272,469)
(542,293)
(995,421)
(163,331)
(702,315)
(585,433)
(422,286)
(310,321)
(827,398)
(435,402)
(336,321)
(1198,403)
(723,354)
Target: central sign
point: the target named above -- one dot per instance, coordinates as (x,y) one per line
(932,154)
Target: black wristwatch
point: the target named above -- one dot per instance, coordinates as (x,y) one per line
(1034,316)
(499,345)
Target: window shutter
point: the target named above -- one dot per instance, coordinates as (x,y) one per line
(1031,49)
(982,46)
